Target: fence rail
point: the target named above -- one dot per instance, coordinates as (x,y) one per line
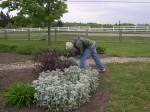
(122,33)
(84,28)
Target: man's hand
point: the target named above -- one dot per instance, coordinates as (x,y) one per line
(70,53)
(67,55)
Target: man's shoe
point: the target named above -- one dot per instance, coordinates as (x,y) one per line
(103,70)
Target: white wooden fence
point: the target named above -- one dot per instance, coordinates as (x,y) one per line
(87,28)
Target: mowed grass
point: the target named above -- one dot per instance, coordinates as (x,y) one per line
(116,49)
(129,87)
(127,49)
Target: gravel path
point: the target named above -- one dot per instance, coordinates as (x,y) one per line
(121,60)
(17,65)
(31,64)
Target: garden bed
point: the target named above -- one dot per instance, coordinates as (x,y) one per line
(97,103)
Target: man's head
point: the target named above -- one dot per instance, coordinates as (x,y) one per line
(69,47)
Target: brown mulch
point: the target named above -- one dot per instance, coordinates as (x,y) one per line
(98,101)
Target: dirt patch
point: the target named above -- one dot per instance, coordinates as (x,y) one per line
(97,103)
(12,58)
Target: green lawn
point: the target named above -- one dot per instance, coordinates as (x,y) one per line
(127,49)
(129,87)
(112,48)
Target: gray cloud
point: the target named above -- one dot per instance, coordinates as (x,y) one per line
(108,12)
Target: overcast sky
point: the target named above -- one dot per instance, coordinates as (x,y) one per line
(108,12)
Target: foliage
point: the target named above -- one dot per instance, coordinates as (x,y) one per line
(24,50)
(64,91)
(38,51)
(100,50)
(4,19)
(11,25)
(7,48)
(21,21)
(97,25)
(59,23)
(36,12)
(19,94)
(52,61)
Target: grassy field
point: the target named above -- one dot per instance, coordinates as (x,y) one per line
(129,87)
(118,49)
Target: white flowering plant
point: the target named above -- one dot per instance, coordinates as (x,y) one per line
(65,90)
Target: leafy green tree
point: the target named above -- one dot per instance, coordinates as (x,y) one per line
(21,21)
(4,19)
(38,12)
(59,23)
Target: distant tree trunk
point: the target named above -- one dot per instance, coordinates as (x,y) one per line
(49,25)
(49,33)
(5,34)
(55,34)
(29,34)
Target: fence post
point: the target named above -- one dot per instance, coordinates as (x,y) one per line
(68,28)
(77,33)
(135,29)
(5,34)
(55,34)
(120,33)
(86,32)
(29,34)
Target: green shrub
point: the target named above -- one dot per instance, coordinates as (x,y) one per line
(61,52)
(24,50)
(100,50)
(13,48)
(38,51)
(27,50)
(7,48)
(19,94)
(4,48)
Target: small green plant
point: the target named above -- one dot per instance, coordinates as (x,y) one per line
(19,94)
(7,48)
(100,50)
(24,50)
(39,51)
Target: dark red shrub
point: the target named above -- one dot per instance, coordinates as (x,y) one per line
(52,61)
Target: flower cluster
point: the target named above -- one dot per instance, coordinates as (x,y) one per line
(65,90)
